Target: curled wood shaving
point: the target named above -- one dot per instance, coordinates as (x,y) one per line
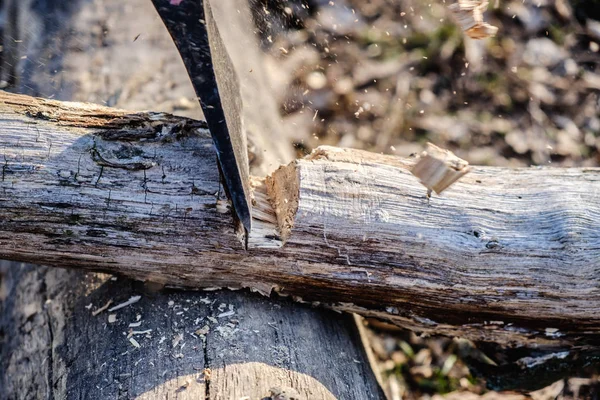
(104,307)
(202,331)
(226,314)
(469,15)
(146,332)
(132,300)
(177,339)
(186,384)
(437,168)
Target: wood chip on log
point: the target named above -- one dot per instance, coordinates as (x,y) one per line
(437,169)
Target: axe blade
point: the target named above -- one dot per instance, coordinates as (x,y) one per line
(192,26)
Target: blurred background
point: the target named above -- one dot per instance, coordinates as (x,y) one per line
(390,75)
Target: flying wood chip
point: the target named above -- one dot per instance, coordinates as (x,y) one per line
(469,15)
(438,168)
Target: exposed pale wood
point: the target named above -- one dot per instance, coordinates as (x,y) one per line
(437,169)
(51,345)
(495,258)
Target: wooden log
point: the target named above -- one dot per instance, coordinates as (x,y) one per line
(502,250)
(53,345)
(217,345)
(495,259)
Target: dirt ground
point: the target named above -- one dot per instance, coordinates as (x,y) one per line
(388,76)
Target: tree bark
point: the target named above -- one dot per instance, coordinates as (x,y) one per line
(52,344)
(494,259)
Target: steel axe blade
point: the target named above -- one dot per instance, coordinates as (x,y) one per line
(193,28)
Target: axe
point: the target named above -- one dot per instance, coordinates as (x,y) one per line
(194,30)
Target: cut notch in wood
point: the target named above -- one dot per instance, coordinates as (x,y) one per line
(277,196)
(265,232)
(274,202)
(283,190)
(437,168)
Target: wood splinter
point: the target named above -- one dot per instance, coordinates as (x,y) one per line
(469,15)
(437,169)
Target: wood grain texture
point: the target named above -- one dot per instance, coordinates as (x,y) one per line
(51,345)
(54,347)
(501,250)
(495,258)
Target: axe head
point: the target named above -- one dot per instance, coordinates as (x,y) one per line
(192,26)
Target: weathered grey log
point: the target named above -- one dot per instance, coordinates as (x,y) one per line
(217,345)
(496,258)
(52,346)
(503,254)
